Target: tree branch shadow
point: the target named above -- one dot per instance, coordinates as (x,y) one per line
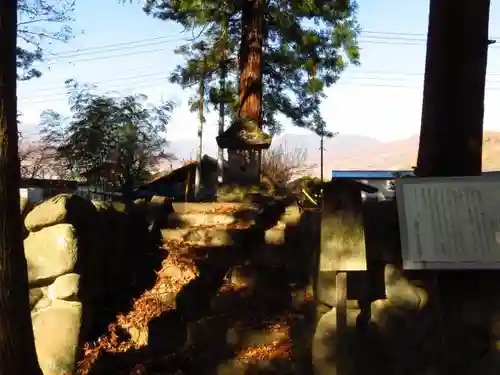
(216,325)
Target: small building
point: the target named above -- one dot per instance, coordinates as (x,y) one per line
(178,184)
(371,175)
(97,193)
(37,189)
(383,180)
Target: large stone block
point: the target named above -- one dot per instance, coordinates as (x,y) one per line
(64,287)
(57,332)
(327,337)
(51,252)
(63,208)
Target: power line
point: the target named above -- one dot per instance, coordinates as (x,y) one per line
(106,46)
(152,83)
(152,77)
(55,62)
(392,33)
(162,75)
(145,84)
(379,38)
(149,42)
(395,75)
(120,47)
(176,37)
(96,83)
(376,37)
(397,33)
(158,75)
(79,54)
(402,42)
(385,76)
(401,73)
(396,38)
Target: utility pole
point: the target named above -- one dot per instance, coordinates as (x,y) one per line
(199,151)
(321,149)
(321,129)
(222,97)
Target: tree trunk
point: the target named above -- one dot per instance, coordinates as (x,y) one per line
(17,348)
(222,103)
(201,118)
(451,138)
(250,57)
(127,187)
(452,116)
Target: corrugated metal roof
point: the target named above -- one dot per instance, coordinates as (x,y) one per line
(365,174)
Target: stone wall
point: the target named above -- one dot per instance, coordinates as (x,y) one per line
(79,256)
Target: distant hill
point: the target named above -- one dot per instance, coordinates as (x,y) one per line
(350,151)
(311,142)
(186,148)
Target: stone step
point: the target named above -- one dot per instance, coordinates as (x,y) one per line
(291,215)
(187,218)
(199,219)
(217,236)
(213,207)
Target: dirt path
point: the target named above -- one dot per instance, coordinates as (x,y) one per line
(232,297)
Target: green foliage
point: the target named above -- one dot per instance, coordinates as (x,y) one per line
(40,22)
(110,141)
(308,44)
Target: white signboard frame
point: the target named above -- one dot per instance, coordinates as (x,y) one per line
(449,223)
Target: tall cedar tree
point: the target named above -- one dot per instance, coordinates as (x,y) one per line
(17,348)
(305,46)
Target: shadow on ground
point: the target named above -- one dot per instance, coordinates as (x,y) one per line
(247,312)
(128,254)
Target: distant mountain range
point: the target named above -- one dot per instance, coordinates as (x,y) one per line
(348,151)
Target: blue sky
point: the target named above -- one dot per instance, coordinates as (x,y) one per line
(382,98)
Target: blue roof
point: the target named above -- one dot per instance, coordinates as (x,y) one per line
(366,175)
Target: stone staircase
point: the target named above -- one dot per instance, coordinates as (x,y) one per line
(222,225)
(207,224)
(248,308)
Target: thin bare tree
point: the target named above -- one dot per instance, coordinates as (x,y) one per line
(283,165)
(40,160)
(36,160)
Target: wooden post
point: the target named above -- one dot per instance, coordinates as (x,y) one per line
(343,355)
(342,250)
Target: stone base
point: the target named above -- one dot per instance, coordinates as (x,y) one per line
(244,134)
(243,168)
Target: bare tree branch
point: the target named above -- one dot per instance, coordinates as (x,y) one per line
(39,161)
(283,165)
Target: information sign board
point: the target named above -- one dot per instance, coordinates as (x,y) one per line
(449,223)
